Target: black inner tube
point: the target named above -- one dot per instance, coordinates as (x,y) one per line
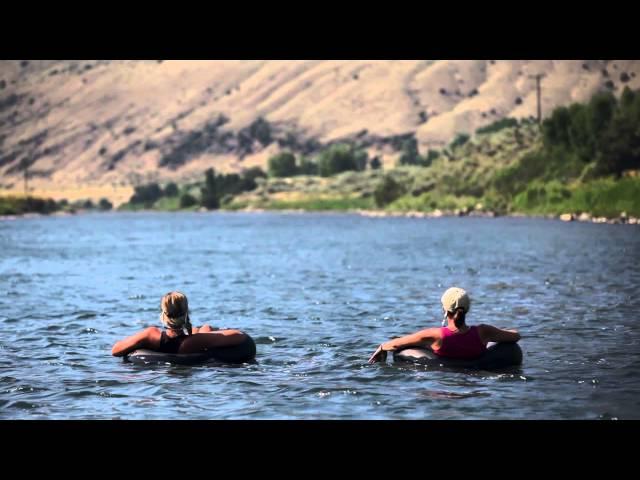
(244,352)
(497,356)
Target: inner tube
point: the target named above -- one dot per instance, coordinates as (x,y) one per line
(497,356)
(244,352)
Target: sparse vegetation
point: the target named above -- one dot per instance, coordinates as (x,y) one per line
(194,143)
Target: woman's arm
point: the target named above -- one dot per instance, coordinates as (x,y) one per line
(415,339)
(489,333)
(148,338)
(218,338)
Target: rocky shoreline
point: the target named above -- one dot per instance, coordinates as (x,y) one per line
(623,218)
(585,217)
(565,217)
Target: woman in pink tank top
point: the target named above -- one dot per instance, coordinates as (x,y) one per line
(456,339)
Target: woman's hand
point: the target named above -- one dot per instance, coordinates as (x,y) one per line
(203,329)
(380,355)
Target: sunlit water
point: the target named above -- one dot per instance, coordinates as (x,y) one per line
(318,293)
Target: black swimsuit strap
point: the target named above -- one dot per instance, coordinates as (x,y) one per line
(170,344)
(164,338)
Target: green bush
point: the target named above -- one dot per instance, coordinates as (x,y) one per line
(387,191)
(187,200)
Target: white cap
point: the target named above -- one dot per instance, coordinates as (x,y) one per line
(455,298)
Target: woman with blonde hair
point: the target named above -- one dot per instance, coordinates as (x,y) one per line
(180,337)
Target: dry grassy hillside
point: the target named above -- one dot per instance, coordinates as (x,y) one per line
(95,128)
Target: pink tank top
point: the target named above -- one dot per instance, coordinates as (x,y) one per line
(461,345)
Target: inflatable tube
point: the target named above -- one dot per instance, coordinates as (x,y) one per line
(497,356)
(241,353)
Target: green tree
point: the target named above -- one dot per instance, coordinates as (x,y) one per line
(579,135)
(410,154)
(555,129)
(171,190)
(249,177)
(261,131)
(209,198)
(146,194)
(620,143)
(627,98)
(282,165)
(602,107)
(105,204)
(230,184)
(340,157)
(361,157)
